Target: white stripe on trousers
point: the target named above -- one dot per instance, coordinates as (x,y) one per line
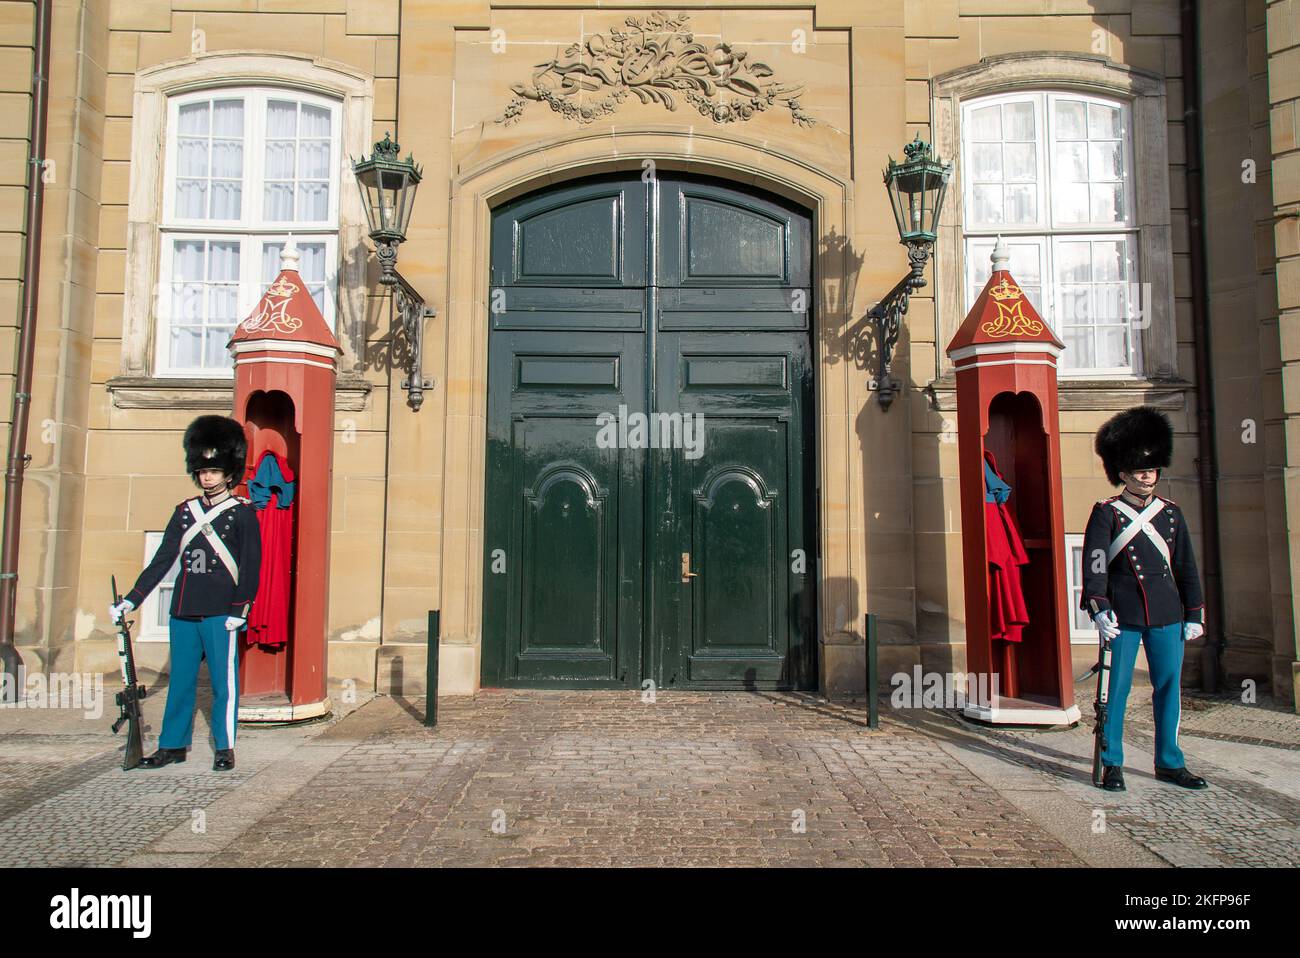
(231,705)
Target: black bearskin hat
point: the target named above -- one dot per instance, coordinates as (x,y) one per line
(1137,438)
(215,442)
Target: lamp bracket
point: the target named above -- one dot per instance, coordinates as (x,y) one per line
(411,312)
(887,315)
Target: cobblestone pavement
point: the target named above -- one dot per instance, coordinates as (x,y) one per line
(1250,815)
(555,778)
(603,778)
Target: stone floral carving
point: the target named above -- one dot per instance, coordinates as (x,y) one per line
(655,59)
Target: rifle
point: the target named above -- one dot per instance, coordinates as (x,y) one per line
(128,700)
(1102,671)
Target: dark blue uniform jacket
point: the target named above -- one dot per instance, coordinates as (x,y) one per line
(204,585)
(1138,586)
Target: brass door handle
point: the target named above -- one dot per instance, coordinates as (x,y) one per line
(687,574)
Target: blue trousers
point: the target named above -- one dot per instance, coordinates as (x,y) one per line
(191,642)
(1164,645)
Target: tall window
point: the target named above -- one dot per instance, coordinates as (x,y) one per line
(245,167)
(1052,173)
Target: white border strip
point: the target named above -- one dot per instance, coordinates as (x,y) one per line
(291,362)
(1007,362)
(976,349)
(282,346)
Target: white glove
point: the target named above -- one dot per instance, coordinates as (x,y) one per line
(234,623)
(1106,624)
(1192,630)
(115,612)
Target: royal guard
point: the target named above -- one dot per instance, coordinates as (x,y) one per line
(217,538)
(1140,585)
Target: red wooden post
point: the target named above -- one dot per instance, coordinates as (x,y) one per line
(286,360)
(1005,358)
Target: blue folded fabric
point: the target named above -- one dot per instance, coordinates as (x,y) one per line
(269,479)
(995,490)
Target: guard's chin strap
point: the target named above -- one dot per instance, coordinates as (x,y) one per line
(1138,500)
(209,501)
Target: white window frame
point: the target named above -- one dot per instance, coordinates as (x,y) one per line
(154,607)
(251,229)
(1074,590)
(255,100)
(251,286)
(1045,231)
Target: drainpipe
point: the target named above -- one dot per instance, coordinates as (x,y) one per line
(17,460)
(1207,465)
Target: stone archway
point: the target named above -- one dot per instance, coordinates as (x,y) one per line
(490,182)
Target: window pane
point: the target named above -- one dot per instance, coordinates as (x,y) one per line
(298,148)
(1020,162)
(986,124)
(191,198)
(215,355)
(1089,149)
(228,118)
(1018,121)
(210,160)
(1025,267)
(1022,204)
(1071,122)
(1104,121)
(1109,260)
(1106,160)
(1072,162)
(281,119)
(314,159)
(988,204)
(1107,202)
(313,201)
(1073,304)
(193,119)
(204,302)
(223,261)
(1002,151)
(315,121)
(279,159)
(1073,262)
(279,201)
(192,157)
(1070,202)
(1094,301)
(228,159)
(1078,348)
(226,196)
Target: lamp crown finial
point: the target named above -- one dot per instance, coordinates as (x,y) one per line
(917,149)
(387,148)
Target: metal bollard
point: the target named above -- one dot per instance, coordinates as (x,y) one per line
(873,674)
(431,669)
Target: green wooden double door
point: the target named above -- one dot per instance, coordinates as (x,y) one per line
(650,501)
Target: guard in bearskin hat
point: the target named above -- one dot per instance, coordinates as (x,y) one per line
(1140,585)
(217,538)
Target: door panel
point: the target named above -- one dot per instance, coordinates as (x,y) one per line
(584,544)
(740,511)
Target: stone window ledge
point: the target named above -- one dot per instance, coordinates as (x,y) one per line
(1084,395)
(152,392)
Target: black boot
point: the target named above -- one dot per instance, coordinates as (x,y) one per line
(164,756)
(225,760)
(1112,778)
(1180,776)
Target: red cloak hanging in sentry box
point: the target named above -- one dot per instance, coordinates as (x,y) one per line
(286,360)
(1004,357)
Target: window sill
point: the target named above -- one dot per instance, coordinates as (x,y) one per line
(161,392)
(1084,395)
